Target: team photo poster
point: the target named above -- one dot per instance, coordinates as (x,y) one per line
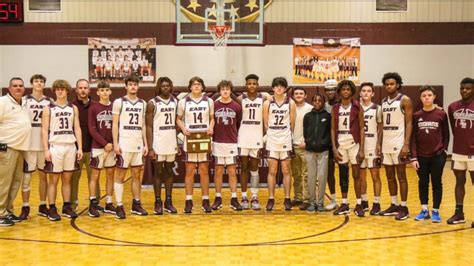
(113,60)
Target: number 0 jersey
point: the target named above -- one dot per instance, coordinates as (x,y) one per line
(61,124)
(131,121)
(251,127)
(35,110)
(279,127)
(393,124)
(164,126)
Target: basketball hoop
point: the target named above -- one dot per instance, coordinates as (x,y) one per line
(220,35)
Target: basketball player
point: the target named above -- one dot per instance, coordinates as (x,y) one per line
(462,125)
(279,121)
(373,137)
(250,139)
(61,131)
(102,155)
(428,145)
(298,163)
(196,114)
(348,138)
(130,145)
(161,134)
(330,90)
(227,117)
(397,113)
(34,157)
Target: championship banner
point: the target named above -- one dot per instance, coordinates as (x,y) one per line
(113,60)
(317,60)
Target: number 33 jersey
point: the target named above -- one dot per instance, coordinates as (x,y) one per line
(131,121)
(279,128)
(61,124)
(35,110)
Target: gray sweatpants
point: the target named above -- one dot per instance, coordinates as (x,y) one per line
(317,164)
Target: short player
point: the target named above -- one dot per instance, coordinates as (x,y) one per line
(397,113)
(279,121)
(102,153)
(34,157)
(372,145)
(227,117)
(161,134)
(130,145)
(462,125)
(429,143)
(348,138)
(250,139)
(196,115)
(61,132)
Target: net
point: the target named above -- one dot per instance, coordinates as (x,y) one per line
(220,35)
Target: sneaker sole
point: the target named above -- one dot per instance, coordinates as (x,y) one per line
(138,213)
(7,225)
(111,212)
(42,214)
(157,213)
(92,215)
(68,216)
(389,214)
(170,211)
(342,213)
(426,218)
(401,219)
(458,222)
(120,218)
(256,208)
(204,210)
(374,213)
(235,208)
(311,211)
(436,221)
(217,208)
(54,219)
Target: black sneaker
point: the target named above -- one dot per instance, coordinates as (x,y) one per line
(402,213)
(4,222)
(100,208)
(25,212)
(365,205)
(270,204)
(217,203)
(296,202)
(169,207)
(188,206)
(109,208)
(12,217)
(206,206)
(93,211)
(120,212)
(138,209)
(457,218)
(158,207)
(304,206)
(287,204)
(68,212)
(359,210)
(43,210)
(53,214)
(235,205)
(390,211)
(375,209)
(343,209)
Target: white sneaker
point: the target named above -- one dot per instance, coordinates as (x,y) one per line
(331,206)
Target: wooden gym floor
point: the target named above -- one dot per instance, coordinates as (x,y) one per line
(245,238)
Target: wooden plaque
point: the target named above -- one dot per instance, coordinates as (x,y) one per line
(198,142)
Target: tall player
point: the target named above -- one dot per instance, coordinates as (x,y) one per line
(348,137)
(196,114)
(462,125)
(227,117)
(279,121)
(130,145)
(102,154)
(161,134)
(373,144)
(397,113)
(250,139)
(61,132)
(34,157)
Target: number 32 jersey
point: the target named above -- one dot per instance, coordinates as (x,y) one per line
(279,128)
(35,110)
(131,122)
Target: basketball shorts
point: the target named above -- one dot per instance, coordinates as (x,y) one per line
(100,159)
(462,162)
(63,158)
(394,159)
(349,154)
(252,152)
(225,153)
(33,160)
(196,157)
(371,162)
(279,155)
(127,159)
(166,157)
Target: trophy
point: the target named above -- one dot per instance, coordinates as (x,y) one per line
(198,142)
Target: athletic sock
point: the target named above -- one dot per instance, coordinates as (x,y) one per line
(118,188)
(244,194)
(403,203)
(344,201)
(333,197)
(424,207)
(218,195)
(189,197)
(205,197)
(359,201)
(254,180)
(376,199)
(42,202)
(108,199)
(92,198)
(234,195)
(26,204)
(364,197)
(394,200)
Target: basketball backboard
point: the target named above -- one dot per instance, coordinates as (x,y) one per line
(244,18)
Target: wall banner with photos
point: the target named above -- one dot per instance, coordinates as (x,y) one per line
(113,60)
(317,60)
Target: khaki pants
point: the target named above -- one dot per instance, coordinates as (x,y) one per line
(11,174)
(300,175)
(76,176)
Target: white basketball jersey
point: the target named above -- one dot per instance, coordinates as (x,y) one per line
(344,137)
(393,125)
(279,127)
(35,110)
(61,124)
(196,114)
(371,117)
(131,119)
(251,126)
(164,126)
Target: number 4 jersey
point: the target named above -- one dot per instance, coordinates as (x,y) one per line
(131,121)
(35,110)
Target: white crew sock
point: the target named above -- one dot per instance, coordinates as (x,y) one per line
(118,188)
(394,200)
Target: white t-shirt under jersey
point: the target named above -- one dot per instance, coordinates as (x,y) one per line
(301,111)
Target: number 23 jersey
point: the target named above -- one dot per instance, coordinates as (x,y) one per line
(131,122)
